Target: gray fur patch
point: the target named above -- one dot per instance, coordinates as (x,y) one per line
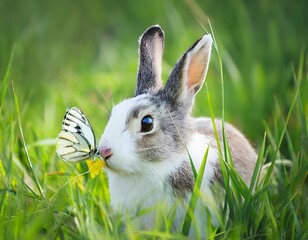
(150,51)
(135,113)
(150,149)
(217,178)
(169,139)
(182,181)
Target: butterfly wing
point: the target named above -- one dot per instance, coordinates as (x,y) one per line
(75,121)
(73,147)
(76,141)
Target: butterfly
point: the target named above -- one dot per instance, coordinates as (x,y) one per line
(76,141)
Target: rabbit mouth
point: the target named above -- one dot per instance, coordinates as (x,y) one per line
(110,168)
(108,165)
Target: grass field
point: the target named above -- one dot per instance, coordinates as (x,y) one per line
(59,54)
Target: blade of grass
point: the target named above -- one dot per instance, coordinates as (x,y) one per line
(192,165)
(271,168)
(304,131)
(261,174)
(5,79)
(232,188)
(287,135)
(238,184)
(222,93)
(208,96)
(270,213)
(194,196)
(250,199)
(258,167)
(38,185)
(224,172)
(222,160)
(270,135)
(225,142)
(298,188)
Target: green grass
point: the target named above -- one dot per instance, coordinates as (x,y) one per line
(55,56)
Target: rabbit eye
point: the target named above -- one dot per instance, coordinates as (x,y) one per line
(147,123)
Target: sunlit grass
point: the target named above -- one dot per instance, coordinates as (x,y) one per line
(265,95)
(65,197)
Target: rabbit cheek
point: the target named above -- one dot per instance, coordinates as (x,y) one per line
(127,159)
(124,156)
(148,149)
(155,147)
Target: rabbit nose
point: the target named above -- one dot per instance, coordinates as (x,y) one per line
(105,152)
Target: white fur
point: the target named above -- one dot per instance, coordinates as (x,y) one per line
(197,148)
(130,193)
(119,140)
(137,184)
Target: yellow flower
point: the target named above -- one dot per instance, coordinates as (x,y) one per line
(95,167)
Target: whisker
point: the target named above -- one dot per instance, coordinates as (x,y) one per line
(113,103)
(105,98)
(176,128)
(147,149)
(104,109)
(101,107)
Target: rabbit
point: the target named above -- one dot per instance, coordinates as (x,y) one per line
(146,141)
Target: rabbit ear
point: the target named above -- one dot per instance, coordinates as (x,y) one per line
(151,46)
(189,73)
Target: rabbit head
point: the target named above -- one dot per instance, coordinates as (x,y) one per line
(147,134)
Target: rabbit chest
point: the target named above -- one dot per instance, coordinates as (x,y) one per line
(169,190)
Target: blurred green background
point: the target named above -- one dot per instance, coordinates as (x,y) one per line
(84,53)
(68,51)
